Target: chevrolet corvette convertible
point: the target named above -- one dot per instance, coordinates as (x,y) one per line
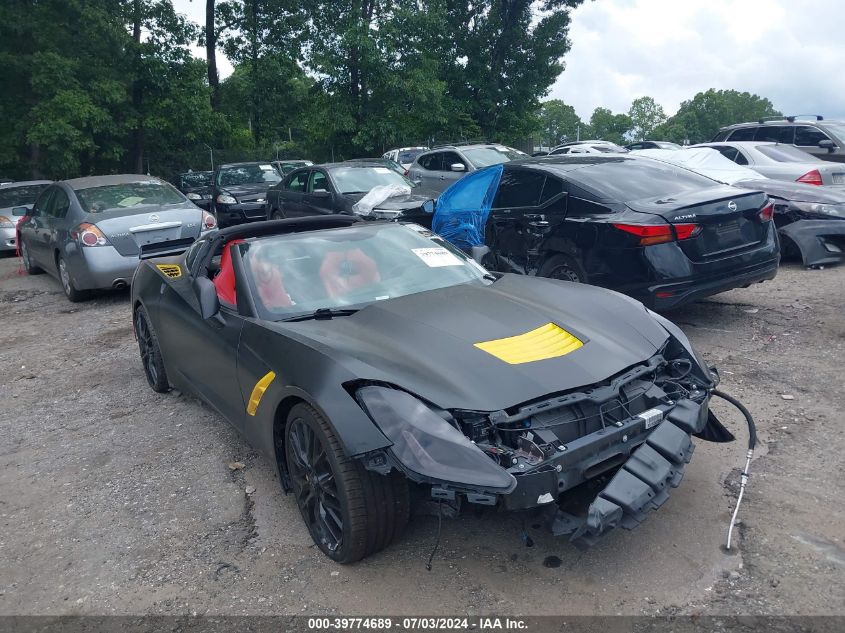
(366,359)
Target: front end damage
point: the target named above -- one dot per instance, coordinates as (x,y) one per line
(821,242)
(634,429)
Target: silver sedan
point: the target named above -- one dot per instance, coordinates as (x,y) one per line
(88,232)
(16,199)
(781,162)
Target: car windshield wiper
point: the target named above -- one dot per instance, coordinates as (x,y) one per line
(322,314)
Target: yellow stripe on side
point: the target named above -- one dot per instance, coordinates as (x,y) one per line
(547,341)
(173,271)
(258,392)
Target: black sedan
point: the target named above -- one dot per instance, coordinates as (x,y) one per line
(656,232)
(369,358)
(239,192)
(340,188)
(197,187)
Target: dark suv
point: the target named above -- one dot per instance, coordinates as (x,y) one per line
(823,139)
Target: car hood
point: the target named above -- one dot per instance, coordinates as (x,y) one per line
(245,190)
(412,200)
(795,191)
(426,342)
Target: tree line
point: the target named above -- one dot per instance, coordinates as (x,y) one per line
(100,86)
(696,121)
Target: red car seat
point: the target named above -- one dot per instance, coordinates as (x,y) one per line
(344,271)
(224,282)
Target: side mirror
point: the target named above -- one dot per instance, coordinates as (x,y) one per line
(458,167)
(20,211)
(827,144)
(206,293)
(320,193)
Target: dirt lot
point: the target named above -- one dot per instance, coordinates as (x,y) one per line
(118,500)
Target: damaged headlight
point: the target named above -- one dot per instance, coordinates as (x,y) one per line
(678,334)
(428,445)
(822,208)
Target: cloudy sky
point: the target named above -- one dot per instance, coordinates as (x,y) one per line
(791,51)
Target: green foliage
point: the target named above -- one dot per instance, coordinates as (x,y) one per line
(607,126)
(698,119)
(558,123)
(645,114)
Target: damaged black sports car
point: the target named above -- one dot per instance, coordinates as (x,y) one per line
(369,358)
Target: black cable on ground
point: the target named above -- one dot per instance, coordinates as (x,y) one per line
(752,442)
(437,540)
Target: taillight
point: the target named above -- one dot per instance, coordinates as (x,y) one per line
(89,235)
(659,233)
(811,178)
(766,212)
(208,221)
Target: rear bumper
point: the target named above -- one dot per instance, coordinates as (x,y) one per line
(820,241)
(100,267)
(8,241)
(664,296)
(231,214)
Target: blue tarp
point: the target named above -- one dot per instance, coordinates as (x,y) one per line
(463,208)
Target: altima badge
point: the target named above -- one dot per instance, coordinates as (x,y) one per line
(732,205)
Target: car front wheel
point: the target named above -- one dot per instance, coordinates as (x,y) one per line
(350,512)
(277,215)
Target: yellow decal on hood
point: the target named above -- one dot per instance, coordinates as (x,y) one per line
(170,270)
(258,392)
(547,341)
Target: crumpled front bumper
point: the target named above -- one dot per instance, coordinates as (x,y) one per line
(820,241)
(652,462)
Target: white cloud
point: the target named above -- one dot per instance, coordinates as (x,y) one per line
(790,52)
(194,10)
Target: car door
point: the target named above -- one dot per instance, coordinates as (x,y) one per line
(319,195)
(204,352)
(449,175)
(518,221)
(291,193)
(59,207)
(36,230)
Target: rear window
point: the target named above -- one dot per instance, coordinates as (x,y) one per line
(787,154)
(486,156)
(624,180)
(197,179)
(127,195)
(409,156)
(20,196)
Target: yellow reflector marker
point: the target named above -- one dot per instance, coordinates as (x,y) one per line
(258,392)
(170,270)
(547,341)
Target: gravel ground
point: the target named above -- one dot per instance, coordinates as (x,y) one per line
(118,500)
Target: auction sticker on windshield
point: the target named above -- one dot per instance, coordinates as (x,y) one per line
(437,257)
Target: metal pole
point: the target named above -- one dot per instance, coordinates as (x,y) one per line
(211,153)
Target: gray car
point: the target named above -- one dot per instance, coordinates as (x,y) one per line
(438,168)
(16,199)
(781,162)
(88,232)
(824,139)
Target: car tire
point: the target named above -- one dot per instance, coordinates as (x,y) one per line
(276,214)
(150,352)
(564,268)
(352,512)
(71,291)
(29,267)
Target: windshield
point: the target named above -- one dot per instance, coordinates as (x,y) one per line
(409,155)
(667,145)
(248,175)
(623,180)
(350,267)
(787,154)
(126,195)
(197,179)
(837,129)
(486,156)
(20,196)
(362,179)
